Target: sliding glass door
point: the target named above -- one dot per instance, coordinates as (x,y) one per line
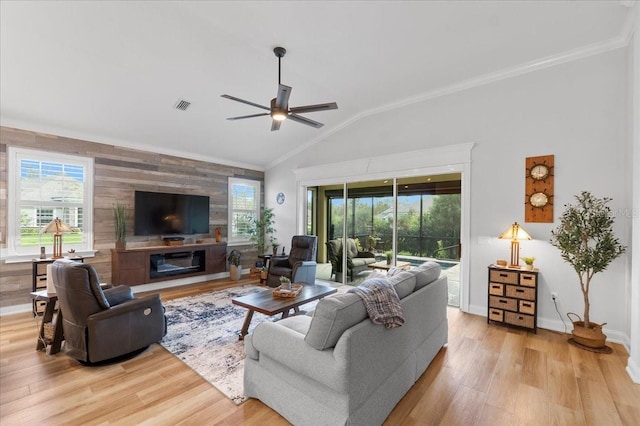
(401,221)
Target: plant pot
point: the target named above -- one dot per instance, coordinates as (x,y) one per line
(592,337)
(528,267)
(121,245)
(235,272)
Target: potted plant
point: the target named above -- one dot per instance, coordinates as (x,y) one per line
(389,255)
(528,261)
(262,229)
(274,245)
(120,222)
(285,283)
(235,267)
(586,241)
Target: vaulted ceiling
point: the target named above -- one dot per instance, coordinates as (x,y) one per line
(112,72)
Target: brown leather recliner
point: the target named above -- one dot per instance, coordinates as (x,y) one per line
(299,266)
(102,324)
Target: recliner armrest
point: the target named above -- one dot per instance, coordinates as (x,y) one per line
(118,294)
(152,301)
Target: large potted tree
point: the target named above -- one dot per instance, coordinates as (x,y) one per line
(586,241)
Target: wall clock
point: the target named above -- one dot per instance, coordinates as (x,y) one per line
(538,197)
(280,198)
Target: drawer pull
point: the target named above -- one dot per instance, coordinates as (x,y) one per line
(528,305)
(520,317)
(526,277)
(504,275)
(495,312)
(518,290)
(502,301)
(495,286)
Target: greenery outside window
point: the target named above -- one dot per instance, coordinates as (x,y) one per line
(42,186)
(244,207)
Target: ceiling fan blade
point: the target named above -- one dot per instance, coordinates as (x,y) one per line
(282,99)
(314,108)
(248,116)
(306,121)
(275,125)
(233,98)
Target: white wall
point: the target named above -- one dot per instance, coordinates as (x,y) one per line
(576,111)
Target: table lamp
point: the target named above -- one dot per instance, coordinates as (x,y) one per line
(56,227)
(515,233)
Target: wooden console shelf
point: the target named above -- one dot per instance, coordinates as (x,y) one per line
(136,265)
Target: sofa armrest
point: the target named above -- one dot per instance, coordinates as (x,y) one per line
(287,347)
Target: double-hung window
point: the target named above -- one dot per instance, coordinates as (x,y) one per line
(244,208)
(43,186)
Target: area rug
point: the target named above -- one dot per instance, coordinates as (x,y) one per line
(202,331)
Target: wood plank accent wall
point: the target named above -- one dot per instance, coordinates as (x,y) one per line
(119,172)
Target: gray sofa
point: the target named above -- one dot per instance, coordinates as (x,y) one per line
(335,367)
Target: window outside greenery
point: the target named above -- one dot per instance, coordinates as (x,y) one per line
(427,225)
(244,207)
(45,186)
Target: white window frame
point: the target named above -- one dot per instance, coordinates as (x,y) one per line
(15,253)
(231,240)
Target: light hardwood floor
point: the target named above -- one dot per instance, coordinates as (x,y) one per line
(486,375)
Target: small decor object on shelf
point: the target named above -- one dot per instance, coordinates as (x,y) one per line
(586,241)
(218,235)
(528,261)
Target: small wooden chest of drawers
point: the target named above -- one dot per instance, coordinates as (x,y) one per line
(513,297)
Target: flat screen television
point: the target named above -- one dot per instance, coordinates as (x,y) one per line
(159,213)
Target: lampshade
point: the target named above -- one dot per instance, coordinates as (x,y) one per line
(56,227)
(515,233)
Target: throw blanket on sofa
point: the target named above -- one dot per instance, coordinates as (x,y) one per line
(381,301)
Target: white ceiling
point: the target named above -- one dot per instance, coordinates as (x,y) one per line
(112,72)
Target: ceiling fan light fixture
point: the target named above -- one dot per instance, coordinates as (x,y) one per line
(279,115)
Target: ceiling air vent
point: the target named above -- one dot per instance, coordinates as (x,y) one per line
(182,105)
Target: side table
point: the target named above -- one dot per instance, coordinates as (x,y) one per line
(55,341)
(267,263)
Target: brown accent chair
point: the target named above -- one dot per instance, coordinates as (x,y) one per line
(103,324)
(299,266)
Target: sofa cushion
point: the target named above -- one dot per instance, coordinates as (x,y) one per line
(332,317)
(426,273)
(404,283)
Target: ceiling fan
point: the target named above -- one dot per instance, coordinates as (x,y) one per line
(280,110)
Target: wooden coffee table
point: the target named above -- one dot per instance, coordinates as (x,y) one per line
(386,266)
(265,303)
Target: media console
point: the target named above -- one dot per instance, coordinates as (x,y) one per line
(142,265)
